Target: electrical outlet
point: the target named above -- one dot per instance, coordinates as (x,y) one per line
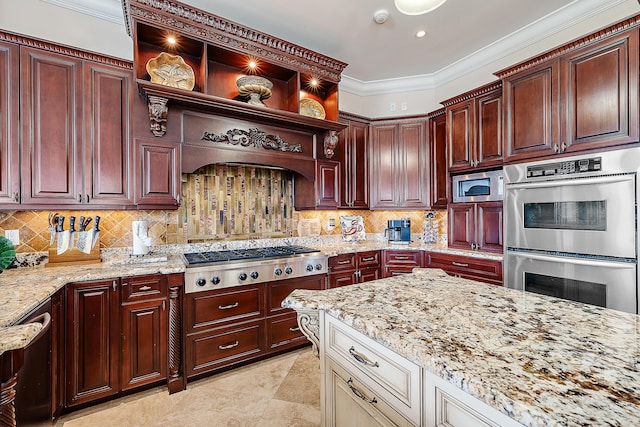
(13,236)
(331,224)
(403,106)
(392,106)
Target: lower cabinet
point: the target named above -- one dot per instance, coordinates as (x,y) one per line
(356,267)
(474,268)
(476,226)
(398,262)
(367,384)
(117,335)
(238,324)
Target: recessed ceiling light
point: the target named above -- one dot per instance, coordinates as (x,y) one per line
(421,33)
(171,40)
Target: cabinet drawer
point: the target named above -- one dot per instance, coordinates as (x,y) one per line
(393,378)
(342,262)
(208,350)
(350,402)
(283,331)
(482,269)
(141,288)
(214,308)
(368,259)
(403,258)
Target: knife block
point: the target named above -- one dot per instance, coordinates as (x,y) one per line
(73,256)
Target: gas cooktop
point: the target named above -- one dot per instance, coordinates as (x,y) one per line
(201,258)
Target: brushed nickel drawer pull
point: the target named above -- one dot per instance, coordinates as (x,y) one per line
(459,264)
(359,393)
(401,257)
(145,288)
(369,258)
(227,347)
(347,261)
(360,358)
(296,329)
(227,307)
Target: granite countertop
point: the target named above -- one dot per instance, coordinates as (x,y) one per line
(540,360)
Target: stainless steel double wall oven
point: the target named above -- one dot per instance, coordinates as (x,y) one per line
(571,228)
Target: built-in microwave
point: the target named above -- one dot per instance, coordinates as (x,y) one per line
(478,187)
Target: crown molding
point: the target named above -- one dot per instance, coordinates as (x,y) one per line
(108,10)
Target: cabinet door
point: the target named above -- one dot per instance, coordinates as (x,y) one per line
(460,127)
(144,330)
(383,169)
(531,112)
(283,332)
(400,262)
(439,175)
(9,125)
(356,160)
(488,143)
(144,343)
(107,135)
(158,174)
(92,341)
(342,278)
(51,116)
(600,94)
(489,226)
(368,274)
(414,165)
(328,184)
(461,225)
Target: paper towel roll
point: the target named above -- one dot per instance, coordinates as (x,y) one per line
(141,239)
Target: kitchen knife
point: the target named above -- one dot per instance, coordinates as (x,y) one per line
(96,231)
(53,220)
(72,230)
(81,224)
(86,224)
(63,236)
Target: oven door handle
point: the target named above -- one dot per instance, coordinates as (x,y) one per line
(589,262)
(570,182)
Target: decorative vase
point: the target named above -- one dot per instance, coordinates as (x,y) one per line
(255,88)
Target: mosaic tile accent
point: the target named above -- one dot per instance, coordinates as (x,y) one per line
(224,201)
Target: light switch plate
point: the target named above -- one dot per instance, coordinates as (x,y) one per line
(13,236)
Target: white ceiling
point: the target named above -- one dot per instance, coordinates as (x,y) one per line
(461,34)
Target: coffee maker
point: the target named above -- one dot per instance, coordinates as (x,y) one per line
(398,231)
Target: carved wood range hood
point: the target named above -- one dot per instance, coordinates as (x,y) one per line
(212,122)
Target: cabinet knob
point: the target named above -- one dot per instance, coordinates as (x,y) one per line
(16,197)
(555,148)
(563,146)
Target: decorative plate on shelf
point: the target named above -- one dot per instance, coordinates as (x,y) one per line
(171,70)
(312,108)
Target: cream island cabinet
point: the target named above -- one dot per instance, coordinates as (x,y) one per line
(428,349)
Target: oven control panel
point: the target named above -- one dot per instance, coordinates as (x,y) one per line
(569,167)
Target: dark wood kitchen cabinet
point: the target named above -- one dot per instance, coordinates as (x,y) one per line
(396,262)
(239,324)
(474,129)
(9,131)
(158,174)
(355,267)
(437,127)
(76,137)
(486,270)
(399,165)
(117,335)
(351,151)
(476,226)
(323,192)
(586,98)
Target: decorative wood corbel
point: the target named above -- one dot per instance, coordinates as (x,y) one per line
(330,142)
(309,322)
(158,115)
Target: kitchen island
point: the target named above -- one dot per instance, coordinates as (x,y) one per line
(540,361)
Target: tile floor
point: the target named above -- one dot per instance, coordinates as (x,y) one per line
(281,391)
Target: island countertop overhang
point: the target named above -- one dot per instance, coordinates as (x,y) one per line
(540,360)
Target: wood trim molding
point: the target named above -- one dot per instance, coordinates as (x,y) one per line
(621,26)
(216,30)
(65,50)
(434,114)
(497,85)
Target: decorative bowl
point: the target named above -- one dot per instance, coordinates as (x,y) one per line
(171,70)
(255,88)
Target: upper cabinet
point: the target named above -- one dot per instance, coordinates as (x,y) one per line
(399,164)
(580,96)
(474,129)
(221,67)
(351,152)
(9,117)
(437,128)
